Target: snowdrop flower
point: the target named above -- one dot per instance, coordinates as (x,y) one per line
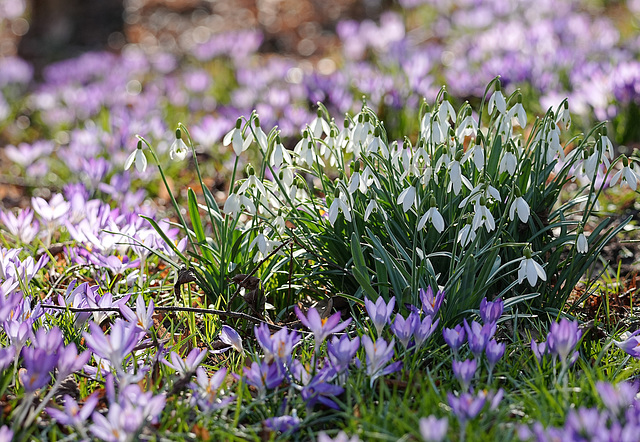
(434,215)
(139,158)
(520,206)
(407,198)
(319,126)
(252,181)
(590,165)
(554,147)
(466,235)
(518,113)
(179,149)
(478,156)
(530,269)
(339,204)
(564,117)
(627,174)
(582,246)
(508,163)
(482,217)
(235,138)
(606,144)
(371,207)
(456,178)
(235,203)
(468,127)
(259,135)
(279,154)
(497,100)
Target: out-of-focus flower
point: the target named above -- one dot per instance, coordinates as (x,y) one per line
(455,337)
(631,344)
(380,312)
(283,423)
(72,414)
(464,371)
(263,376)
(433,429)
(617,398)
(563,338)
(340,437)
(494,352)
(467,406)
(538,350)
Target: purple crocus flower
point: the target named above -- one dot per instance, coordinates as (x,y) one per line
(6,435)
(231,337)
(205,390)
(433,429)
(424,330)
(431,304)
(188,365)
(276,347)
(539,350)
(464,371)
(263,376)
(341,352)
(319,389)
(38,367)
(283,423)
(631,345)
(478,336)
(404,328)
(142,317)
(320,327)
(70,361)
(617,397)
(379,353)
(120,423)
(491,311)
(72,414)
(116,346)
(466,406)
(455,337)
(563,338)
(7,356)
(22,227)
(379,313)
(494,351)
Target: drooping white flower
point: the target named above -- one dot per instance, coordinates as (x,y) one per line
(456,178)
(371,207)
(139,158)
(339,204)
(367,179)
(530,269)
(435,217)
(466,235)
(260,136)
(518,113)
(478,156)
(564,117)
(279,154)
(468,127)
(508,163)
(582,245)
(252,181)
(520,206)
(407,198)
(554,147)
(482,217)
(627,174)
(235,204)
(319,126)
(497,100)
(236,139)
(179,149)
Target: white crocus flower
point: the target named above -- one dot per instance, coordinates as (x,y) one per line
(235,138)
(530,270)
(339,205)
(407,198)
(497,100)
(435,217)
(521,207)
(508,163)
(139,158)
(582,244)
(627,174)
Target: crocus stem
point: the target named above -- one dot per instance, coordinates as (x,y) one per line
(43,404)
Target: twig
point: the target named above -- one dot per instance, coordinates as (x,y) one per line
(205,311)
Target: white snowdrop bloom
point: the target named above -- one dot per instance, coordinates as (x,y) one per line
(455,177)
(139,158)
(435,217)
(265,246)
(468,127)
(478,157)
(252,181)
(627,174)
(564,117)
(518,114)
(520,206)
(260,137)
(371,207)
(354,183)
(530,270)
(497,100)
(279,154)
(607,145)
(581,243)
(178,151)
(466,235)
(407,198)
(236,139)
(446,111)
(279,224)
(236,203)
(590,165)
(319,126)
(367,179)
(362,129)
(508,163)
(339,205)
(554,147)
(482,190)
(482,217)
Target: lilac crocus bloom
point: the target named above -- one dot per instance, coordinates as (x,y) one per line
(70,361)
(72,414)
(188,365)
(120,424)
(494,352)
(22,226)
(464,371)
(38,367)
(6,435)
(320,327)
(283,423)
(431,304)
(631,345)
(231,337)
(563,338)
(142,317)
(276,347)
(466,406)
(205,390)
(379,313)
(404,328)
(433,429)
(341,352)
(263,376)
(114,347)
(424,330)
(455,337)
(491,311)
(379,353)
(478,336)
(539,350)
(7,355)
(319,389)
(617,398)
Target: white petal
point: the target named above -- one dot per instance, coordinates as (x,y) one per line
(130,158)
